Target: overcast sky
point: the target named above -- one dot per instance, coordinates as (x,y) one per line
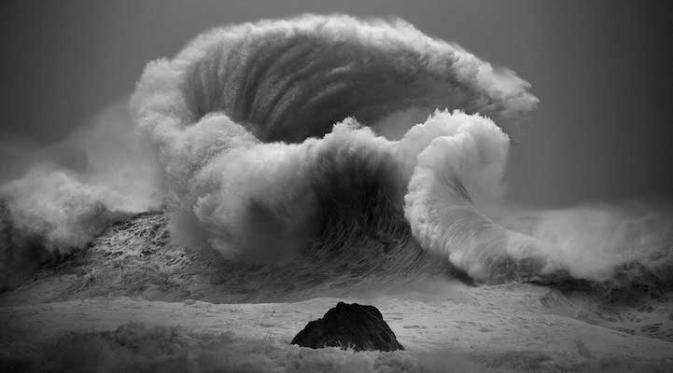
(602,71)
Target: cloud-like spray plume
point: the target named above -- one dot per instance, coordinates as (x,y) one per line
(224,110)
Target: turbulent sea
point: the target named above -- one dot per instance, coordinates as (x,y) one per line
(311,159)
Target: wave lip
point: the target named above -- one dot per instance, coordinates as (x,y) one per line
(291,79)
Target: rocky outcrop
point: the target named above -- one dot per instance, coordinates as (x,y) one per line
(353,326)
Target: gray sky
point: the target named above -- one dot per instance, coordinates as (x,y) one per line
(602,71)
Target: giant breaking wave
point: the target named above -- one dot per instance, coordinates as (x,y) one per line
(341,149)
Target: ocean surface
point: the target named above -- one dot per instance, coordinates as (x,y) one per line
(271,169)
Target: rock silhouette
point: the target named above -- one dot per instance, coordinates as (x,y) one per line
(355,326)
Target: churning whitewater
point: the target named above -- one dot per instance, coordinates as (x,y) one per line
(338,148)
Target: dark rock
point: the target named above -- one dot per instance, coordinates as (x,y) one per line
(349,326)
